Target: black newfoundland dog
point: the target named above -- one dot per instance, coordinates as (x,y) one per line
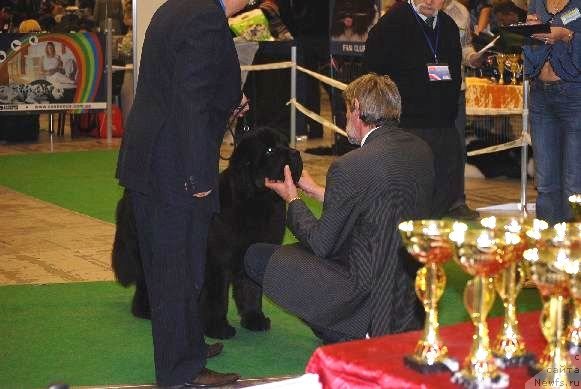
(249,213)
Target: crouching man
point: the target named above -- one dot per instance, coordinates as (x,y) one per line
(347,276)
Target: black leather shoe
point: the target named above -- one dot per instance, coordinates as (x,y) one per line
(463,212)
(213,349)
(210,379)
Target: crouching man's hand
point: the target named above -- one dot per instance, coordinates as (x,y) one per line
(286,189)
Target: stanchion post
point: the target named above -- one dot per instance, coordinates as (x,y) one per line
(293,96)
(524,149)
(51,129)
(109,114)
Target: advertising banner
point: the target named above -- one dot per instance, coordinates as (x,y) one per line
(351,20)
(52,72)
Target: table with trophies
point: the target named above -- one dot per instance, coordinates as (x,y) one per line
(499,94)
(536,349)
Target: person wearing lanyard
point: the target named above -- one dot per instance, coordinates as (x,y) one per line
(554,66)
(425,66)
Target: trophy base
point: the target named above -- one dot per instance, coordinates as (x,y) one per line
(522,360)
(421,367)
(500,380)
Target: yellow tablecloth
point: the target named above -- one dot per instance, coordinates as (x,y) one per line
(484,97)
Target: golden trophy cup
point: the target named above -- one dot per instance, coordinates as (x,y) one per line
(568,236)
(514,66)
(509,345)
(427,241)
(482,253)
(574,334)
(552,269)
(565,236)
(575,203)
(500,65)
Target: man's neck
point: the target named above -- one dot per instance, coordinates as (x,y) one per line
(369,131)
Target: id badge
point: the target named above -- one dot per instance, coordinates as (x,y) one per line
(438,72)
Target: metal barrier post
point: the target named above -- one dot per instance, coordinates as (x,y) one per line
(51,129)
(293,96)
(109,80)
(524,149)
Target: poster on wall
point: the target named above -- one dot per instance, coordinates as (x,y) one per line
(52,72)
(350,21)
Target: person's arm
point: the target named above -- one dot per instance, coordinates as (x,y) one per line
(379,54)
(193,92)
(483,19)
(324,235)
(310,187)
(470,56)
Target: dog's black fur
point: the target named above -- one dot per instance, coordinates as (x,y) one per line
(249,213)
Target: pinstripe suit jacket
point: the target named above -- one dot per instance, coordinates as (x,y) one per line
(189,82)
(347,273)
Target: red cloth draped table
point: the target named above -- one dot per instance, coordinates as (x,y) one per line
(378,362)
(484,97)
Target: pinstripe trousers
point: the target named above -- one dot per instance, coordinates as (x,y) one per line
(172,243)
(255,263)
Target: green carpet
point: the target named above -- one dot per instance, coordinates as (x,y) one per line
(83,333)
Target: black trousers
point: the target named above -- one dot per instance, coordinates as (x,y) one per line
(448,166)
(172,244)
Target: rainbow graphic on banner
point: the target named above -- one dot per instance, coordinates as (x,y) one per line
(88,51)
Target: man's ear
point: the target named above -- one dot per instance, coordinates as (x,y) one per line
(356,110)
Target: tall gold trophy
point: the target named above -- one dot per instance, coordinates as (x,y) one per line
(500,65)
(427,241)
(568,236)
(482,253)
(514,66)
(509,345)
(575,203)
(574,334)
(552,269)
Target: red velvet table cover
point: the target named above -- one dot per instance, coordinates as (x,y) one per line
(378,362)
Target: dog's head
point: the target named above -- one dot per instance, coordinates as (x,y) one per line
(262,154)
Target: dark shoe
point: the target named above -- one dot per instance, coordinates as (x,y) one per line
(213,349)
(463,212)
(209,379)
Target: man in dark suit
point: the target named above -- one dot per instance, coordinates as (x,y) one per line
(348,277)
(189,86)
(426,68)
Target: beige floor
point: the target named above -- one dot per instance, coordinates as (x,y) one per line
(44,243)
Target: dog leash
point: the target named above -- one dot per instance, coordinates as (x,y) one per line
(231,124)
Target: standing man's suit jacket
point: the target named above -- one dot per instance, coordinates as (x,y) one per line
(347,274)
(189,83)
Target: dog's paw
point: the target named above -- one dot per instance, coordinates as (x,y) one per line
(255,321)
(222,331)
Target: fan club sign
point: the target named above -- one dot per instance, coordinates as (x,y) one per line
(351,21)
(52,72)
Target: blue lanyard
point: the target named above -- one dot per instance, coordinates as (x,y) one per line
(421,23)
